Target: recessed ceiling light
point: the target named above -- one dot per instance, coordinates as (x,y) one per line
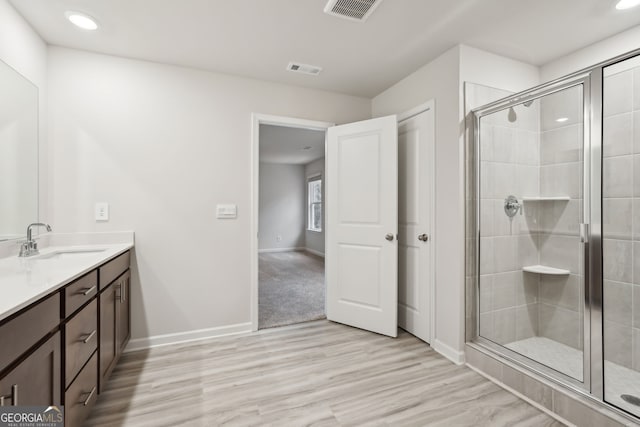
(81,20)
(562,119)
(627,4)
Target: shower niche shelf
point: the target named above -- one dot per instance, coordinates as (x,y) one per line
(544,269)
(546,198)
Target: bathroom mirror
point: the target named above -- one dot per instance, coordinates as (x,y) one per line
(18,153)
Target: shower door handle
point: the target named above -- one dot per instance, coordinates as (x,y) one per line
(584,233)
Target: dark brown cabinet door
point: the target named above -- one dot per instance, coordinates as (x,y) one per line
(115,324)
(35,381)
(124,304)
(108,345)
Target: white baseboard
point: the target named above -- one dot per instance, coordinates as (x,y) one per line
(182,337)
(314,252)
(264,251)
(450,353)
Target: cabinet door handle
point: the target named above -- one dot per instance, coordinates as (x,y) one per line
(13,396)
(86,291)
(122,287)
(88,399)
(88,338)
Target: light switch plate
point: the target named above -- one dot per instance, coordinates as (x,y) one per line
(102,211)
(226,211)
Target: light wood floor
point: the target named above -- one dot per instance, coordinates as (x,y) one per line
(317,373)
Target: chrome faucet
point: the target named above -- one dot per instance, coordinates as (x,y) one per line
(30,247)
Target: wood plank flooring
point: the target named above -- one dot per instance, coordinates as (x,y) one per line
(316,373)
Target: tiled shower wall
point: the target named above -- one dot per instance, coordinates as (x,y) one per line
(621,217)
(560,302)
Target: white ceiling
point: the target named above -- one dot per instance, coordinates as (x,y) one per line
(258,38)
(279,144)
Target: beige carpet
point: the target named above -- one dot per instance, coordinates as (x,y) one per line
(291,288)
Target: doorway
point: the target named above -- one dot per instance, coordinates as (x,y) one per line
(365,192)
(289,177)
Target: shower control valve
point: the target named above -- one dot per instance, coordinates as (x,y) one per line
(512,206)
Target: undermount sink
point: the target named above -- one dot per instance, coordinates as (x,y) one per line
(70,253)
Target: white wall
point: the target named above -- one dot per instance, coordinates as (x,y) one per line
(163,145)
(23,49)
(314,241)
(601,51)
(282,206)
(489,69)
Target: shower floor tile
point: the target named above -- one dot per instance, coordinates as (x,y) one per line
(618,379)
(551,353)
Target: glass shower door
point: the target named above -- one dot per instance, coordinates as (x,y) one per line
(530,207)
(621,234)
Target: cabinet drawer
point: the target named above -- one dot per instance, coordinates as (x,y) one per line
(81,395)
(114,268)
(81,340)
(79,292)
(27,328)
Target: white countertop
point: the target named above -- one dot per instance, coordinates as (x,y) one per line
(26,280)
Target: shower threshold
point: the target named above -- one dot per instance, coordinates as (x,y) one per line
(619,380)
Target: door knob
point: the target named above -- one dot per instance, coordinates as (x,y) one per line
(423,237)
(389,237)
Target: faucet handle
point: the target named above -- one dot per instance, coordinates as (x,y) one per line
(24,249)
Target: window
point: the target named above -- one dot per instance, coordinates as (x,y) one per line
(314,207)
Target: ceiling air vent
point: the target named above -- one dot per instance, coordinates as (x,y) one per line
(354,10)
(304,68)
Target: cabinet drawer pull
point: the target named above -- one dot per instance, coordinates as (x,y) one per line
(88,338)
(13,396)
(86,291)
(91,393)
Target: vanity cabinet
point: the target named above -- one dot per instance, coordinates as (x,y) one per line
(61,349)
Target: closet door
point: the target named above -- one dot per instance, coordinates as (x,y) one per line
(415,210)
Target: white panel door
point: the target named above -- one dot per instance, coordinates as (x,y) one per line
(415,272)
(362,225)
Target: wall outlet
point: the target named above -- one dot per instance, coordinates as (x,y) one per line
(102,211)
(278,238)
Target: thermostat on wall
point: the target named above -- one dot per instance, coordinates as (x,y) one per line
(226,211)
